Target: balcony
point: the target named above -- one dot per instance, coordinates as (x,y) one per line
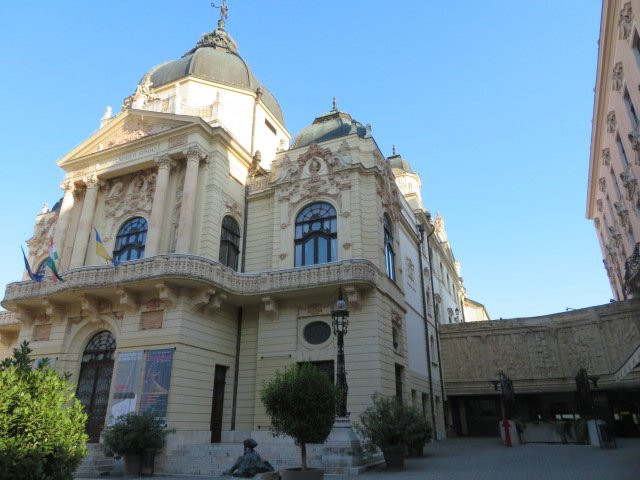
(192,270)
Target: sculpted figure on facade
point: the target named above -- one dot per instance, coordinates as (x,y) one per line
(611,121)
(625,21)
(617,77)
(629,182)
(606,157)
(623,213)
(44,229)
(600,205)
(634,138)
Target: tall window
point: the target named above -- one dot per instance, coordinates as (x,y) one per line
(229,243)
(130,240)
(316,235)
(389,254)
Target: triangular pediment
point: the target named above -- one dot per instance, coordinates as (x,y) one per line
(127,127)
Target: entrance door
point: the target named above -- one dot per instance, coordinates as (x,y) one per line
(217,403)
(94,382)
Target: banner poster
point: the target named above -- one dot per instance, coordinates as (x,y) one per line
(157,377)
(125,388)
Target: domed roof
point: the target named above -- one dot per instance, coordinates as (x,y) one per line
(329,126)
(397,162)
(215,58)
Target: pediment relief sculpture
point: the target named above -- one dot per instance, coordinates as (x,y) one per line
(134,128)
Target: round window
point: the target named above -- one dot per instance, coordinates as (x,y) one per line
(316,333)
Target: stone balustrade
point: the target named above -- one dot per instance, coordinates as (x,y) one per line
(195,268)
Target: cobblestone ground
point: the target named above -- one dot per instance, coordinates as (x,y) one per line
(487,459)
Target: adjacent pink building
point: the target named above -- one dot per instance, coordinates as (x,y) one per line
(613,199)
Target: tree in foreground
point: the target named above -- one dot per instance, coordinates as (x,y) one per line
(301,402)
(42,424)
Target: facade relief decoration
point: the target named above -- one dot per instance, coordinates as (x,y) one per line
(602,184)
(600,205)
(596,221)
(611,122)
(179,172)
(127,196)
(606,157)
(629,182)
(625,21)
(317,171)
(623,213)
(634,138)
(44,229)
(617,77)
(134,128)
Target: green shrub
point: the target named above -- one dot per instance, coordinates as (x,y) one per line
(388,422)
(133,433)
(301,403)
(42,424)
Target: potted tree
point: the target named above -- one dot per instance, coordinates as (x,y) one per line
(133,435)
(392,426)
(301,403)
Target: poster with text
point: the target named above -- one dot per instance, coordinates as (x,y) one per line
(125,389)
(155,386)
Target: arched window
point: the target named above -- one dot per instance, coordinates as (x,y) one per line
(229,242)
(389,254)
(130,240)
(316,235)
(94,382)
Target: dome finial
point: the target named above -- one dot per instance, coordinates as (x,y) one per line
(335,105)
(223,13)
(393,150)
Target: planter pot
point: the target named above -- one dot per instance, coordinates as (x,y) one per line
(148,462)
(394,457)
(299,474)
(132,465)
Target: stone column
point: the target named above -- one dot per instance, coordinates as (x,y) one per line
(64,217)
(157,209)
(86,222)
(185,224)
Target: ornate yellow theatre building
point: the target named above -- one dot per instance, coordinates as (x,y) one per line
(232,242)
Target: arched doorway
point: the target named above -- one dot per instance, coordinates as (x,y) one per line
(94,381)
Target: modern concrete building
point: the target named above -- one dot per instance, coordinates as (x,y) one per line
(613,199)
(232,243)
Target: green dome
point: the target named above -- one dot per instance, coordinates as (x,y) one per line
(215,58)
(332,125)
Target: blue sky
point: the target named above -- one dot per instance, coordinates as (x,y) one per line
(491,102)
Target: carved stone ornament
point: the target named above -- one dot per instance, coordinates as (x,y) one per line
(606,157)
(616,79)
(616,237)
(134,128)
(629,182)
(600,205)
(602,184)
(596,221)
(611,121)
(623,213)
(142,94)
(634,138)
(127,196)
(43,230)
(625,21)
(195,152)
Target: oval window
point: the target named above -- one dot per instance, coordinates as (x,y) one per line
(316,333)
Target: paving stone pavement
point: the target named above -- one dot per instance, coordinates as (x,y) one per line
(487,459)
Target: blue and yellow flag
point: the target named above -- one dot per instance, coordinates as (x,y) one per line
(101,251)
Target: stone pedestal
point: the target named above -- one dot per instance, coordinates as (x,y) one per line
(342,450)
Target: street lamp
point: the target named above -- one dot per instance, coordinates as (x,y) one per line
(340,316)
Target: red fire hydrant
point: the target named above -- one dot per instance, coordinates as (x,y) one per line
(507,434)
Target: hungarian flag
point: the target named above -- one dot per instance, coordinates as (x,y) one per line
(36,277)
(52,261)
